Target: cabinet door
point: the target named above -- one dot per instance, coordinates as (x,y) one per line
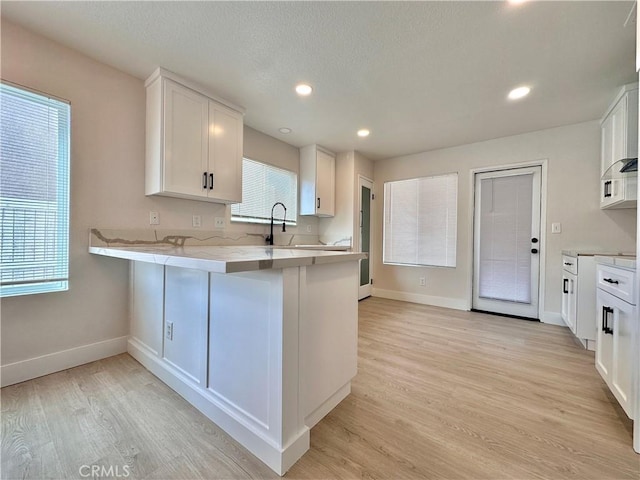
(619,134)
(225,154)
(565,299)
(186,120)
(604,340)
(607,144)
(622,372)
(185,321)
(573,303)
(325,184)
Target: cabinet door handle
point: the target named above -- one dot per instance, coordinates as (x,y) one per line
(611,280)
(565,285)
(318,202)
(605,320)
(204,180)
(211,181)
(607,189)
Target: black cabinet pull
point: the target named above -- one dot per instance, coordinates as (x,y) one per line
(607,189)
(534,250)
(318,202)
(611,280)
(605,320)
(565,285)
(204,180)
(568,263)
(211,181)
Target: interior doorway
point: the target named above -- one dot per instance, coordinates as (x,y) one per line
(507,243)
(365,195)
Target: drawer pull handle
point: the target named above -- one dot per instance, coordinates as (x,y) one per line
(611,280)
(568,263)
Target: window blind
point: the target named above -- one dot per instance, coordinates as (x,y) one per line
(420,221)
(262,186)
(34,192)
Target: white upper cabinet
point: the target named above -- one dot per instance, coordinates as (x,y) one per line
(318,181)
(619,141)
(194,143)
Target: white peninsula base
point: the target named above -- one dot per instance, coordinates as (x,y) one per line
(264,354)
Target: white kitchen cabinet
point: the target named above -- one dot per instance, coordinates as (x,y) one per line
(194,143)
(616,323)
(619,141)
(317,181)
(578,296)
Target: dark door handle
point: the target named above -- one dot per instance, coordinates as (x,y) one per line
(211,181)
(204,180)
(611,280)
(534,250)
(565,285)
(534,240)
(605,320)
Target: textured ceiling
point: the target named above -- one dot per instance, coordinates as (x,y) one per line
(419,75)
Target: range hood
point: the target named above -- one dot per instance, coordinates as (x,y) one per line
(625,167)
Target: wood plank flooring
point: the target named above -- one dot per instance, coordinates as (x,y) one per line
(439,394)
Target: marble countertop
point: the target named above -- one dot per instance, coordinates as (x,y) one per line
(626,261)
(591,253)
(227,259)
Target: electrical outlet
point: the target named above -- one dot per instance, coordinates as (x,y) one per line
(154,218)
(168,330)
(556,228)
(423,282)
(219,222)
(197,221)
(308,228)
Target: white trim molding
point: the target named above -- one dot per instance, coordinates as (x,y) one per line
(446,302)
(552,318)
(55,362)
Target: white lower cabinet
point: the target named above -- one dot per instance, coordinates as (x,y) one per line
(263,354)
(614,344)
(578,296)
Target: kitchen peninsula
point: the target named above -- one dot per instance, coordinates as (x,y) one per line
(262,340)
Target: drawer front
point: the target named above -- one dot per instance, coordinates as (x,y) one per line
(618,282)
(570,264)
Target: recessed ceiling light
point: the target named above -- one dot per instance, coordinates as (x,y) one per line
(284,130)
(519,92)
(303,89)
(363,133)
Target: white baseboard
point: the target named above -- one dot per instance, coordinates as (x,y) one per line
(553,318)
(54,362)
(446,302)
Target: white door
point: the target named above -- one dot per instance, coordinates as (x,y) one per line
(507,242)
(365,195)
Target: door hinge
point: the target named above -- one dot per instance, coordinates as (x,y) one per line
(371,281)
(373,196)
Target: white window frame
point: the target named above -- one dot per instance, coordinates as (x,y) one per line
(292,209)
(445,213)
(15,278)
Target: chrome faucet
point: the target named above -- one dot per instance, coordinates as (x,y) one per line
(284,228)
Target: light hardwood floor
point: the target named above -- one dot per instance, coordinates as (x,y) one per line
(439,394)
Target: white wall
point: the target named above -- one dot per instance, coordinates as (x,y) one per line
(573,154)
(107,190)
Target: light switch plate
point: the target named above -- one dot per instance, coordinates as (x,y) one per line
(556,228)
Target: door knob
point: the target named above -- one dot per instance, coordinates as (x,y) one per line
(534,250)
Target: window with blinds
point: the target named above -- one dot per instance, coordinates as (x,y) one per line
(262,186)
(420,221)
(34,192)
